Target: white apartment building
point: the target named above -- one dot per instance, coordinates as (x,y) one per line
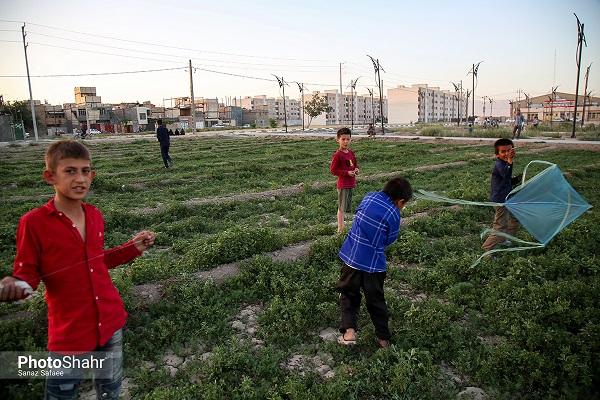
(348,108)
(275,109)
(422,103)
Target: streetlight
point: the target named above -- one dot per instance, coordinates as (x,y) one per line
(467,107)
(379,68)
(282,85)
(580,40)
(474,72)
(372,110)
(301,88)
(458,88)
(587,73)
(352,87)
(552,100)
(491,108)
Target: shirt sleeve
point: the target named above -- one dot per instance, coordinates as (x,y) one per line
(121,255)
(27,261)
(335,163)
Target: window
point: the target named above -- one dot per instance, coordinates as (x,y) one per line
(142,116)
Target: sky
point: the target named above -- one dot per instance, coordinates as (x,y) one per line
(135,51)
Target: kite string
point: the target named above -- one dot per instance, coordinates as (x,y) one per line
(87,260)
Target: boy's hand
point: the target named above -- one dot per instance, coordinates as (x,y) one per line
(143,240)
(511,155)
(9,290)
(356,171)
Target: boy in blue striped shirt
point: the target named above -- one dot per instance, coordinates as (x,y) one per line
(375,227)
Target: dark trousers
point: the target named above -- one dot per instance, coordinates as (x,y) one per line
(349,286)
(164,152)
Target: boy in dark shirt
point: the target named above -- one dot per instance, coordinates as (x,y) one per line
(502,183)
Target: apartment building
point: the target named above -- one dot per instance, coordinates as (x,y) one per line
(283,111)
(422,103)
(349,108)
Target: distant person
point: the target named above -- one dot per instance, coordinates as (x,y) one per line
(182,131)
(375,227)
(344,166)
(62,245)
(171,132)
(176,132)
(371,131)
(518,124)
(501,186)
(536,122)
(162,134)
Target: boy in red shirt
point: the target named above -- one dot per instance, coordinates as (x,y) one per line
(344,166)
(62,244)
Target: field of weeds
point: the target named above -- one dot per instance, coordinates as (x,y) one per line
(216,311)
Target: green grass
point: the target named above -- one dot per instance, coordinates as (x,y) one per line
(526,326)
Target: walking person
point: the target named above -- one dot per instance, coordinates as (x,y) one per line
(518,124)
(162,134)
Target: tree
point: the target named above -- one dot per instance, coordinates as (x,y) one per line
(316,106)
(20,110)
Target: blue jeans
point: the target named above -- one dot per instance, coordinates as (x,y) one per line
(108,386)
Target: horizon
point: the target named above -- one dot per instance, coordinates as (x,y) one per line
(142,52)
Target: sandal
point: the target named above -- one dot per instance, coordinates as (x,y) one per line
(342,340)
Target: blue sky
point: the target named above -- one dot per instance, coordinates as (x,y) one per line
(237,46)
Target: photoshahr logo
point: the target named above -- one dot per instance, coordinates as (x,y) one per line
(28,365)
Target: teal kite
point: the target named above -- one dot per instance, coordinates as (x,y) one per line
(544,205)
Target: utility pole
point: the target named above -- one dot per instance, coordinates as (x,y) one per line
(301,87)
(379,68)
(587,73)
(30,93)
(580,41)
(193,103)
(528,104)
(474,72)
(282,85)
(491,107)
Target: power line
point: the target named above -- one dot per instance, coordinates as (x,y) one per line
(165,46)
(91,74)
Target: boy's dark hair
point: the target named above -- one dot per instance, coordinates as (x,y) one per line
(502,142)
(398,188)
(343,131)
(159,122)
(65,149)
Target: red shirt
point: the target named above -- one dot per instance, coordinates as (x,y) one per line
(84,307)
(341,163)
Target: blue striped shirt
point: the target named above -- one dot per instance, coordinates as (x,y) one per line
(375,227)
